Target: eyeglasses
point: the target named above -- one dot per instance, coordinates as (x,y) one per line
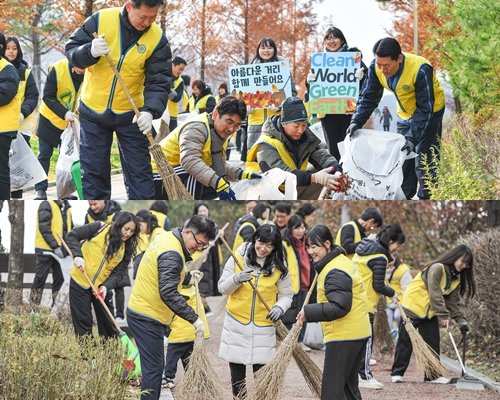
(231,124)
(267,246)
(200,244)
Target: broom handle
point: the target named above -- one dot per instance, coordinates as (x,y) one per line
(310,291)
(401,309)
(464,373)
(242,269)
(92,287)
(126,91)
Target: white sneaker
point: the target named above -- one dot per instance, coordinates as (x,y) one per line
(441,380)
(396,378)
(119,320)
(370,384)
(372,362)
(304,347)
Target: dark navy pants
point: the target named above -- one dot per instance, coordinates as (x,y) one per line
(95,151)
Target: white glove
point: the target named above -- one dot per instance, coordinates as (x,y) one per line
(199,327)
(21,118)
(58,252)
(144,122)
(69,116)
(79,263)
(196,276)
(325,178)
(99,47)
(360,74)
(311,77)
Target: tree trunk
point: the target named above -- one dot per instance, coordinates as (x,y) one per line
(89,5)
(163,19)
(345,217)
(246,35)
(37,48)
(16,265)
(203,39)
(2,249)
(493,207)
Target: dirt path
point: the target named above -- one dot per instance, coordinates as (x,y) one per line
(296,388)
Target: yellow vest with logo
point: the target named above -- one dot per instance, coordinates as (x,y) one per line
(98,267)
(29,122)
(293,266)
(183,331)
(361,264)
(245,306)
(185,101)
(66,94)
(9,113)
(172,149)
(100,88)
(260,115)
(56,226)
(405,88)
(416,297)
(145,297)
(395,281)
(173,108)
(356,324)
(201,103)
(238,239)
(280,148)
(357,236)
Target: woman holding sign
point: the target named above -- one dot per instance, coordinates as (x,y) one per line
(266,52)
(335,125)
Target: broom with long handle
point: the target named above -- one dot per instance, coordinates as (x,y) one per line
(132,364)
(311,372)
(270,379)
(173,186)
(200,382)
(382,339)
(427,359)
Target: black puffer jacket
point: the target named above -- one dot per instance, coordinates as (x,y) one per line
(170,265)
(209,107)
(158,80)
(30,91)
(378,265)
(45,222)
(110,208)
(247,231)
(9,83)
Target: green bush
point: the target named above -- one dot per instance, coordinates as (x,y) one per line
(467,167)
(40,358)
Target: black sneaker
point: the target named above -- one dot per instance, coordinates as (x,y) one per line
(41,195)
(167,383)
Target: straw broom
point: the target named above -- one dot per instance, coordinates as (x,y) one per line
(427,359)
(173,186)
(310,371)
(382,339)
(270,379)
(200,382)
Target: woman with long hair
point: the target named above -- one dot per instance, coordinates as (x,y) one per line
(430,300)
(248,336)
(342,310)
(103,252)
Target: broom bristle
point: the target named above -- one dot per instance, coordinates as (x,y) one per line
(200,382)
(427,360)
(269,379)
(173,186)
(382,339)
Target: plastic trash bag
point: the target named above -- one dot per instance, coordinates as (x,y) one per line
(185,117)
(69,152)
(313,336)
(374,162)
(25,170)
(267,188)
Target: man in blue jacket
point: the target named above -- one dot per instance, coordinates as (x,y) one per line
(142,54)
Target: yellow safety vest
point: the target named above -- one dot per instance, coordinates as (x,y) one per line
(181,330)
(361,263)
(201,103)
(56,226)
(260,115)
(357,236)
(109,218)
(29,122)
(185,101)
(293,266)
(100,88)
(98,267)
(395,281)
(173,108)
(356,324)
(416,297)
(172,149)
(245,306)
(145,297)
(280,148)
(238,240)
(66,94)
(405,89)
(9,113)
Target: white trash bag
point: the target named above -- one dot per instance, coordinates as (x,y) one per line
(69,152)
(267,188)
(186,117)
(374,162)
(313,336)
(25,170)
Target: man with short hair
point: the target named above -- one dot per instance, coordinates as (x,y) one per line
(282,213)
(177,91)
(155,297)
(197,150)
(421,104)
(141,52)
(351,233)
(287,143)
